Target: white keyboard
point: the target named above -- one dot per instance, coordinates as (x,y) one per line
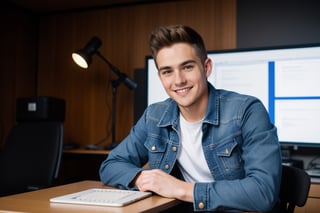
(102,197)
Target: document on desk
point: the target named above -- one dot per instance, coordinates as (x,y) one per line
(102,197)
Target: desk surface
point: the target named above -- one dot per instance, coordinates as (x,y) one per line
(38,201)
(86,151)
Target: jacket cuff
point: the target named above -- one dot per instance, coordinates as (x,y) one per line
(199,197)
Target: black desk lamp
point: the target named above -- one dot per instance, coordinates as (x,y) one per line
(83,58)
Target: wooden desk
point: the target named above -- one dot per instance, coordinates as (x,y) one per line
(86,151)
(313,202)
(38,201)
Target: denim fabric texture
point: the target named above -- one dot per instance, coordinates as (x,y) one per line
(240,145)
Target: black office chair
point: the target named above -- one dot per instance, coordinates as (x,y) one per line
(31,156)
(295,185)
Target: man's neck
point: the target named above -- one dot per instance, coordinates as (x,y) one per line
(195,112)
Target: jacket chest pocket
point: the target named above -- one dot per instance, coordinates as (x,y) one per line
(156,151)
(229,155)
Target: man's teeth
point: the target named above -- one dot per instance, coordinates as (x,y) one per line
(182,90)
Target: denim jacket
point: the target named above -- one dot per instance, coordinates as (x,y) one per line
(239,143)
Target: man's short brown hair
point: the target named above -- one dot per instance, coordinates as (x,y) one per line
(166,36)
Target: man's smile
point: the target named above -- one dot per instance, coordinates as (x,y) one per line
(183,91)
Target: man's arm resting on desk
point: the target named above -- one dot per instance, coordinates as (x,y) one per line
(164,184)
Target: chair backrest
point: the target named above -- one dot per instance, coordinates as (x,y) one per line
(31,157)
(295,185)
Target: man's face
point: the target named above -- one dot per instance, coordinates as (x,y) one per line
(183,76)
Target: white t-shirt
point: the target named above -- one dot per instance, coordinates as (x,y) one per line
(191,160)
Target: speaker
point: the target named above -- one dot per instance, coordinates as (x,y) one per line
(40,108)
(140,93)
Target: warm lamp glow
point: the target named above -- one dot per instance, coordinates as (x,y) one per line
(79,60)
(83,59)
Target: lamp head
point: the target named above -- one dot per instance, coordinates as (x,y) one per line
(83,57)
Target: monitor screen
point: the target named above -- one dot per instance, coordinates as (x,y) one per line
(285,79)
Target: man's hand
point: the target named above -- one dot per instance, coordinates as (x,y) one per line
(165,185)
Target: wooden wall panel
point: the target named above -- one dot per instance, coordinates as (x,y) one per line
(124,32)
(18,63)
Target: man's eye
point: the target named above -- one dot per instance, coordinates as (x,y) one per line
(165,72)
(188,67)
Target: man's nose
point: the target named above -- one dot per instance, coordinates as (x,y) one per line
(179,77)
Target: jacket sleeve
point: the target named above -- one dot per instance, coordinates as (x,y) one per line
(258,190)
(126,160)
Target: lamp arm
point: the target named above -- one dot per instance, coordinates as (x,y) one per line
(122,76)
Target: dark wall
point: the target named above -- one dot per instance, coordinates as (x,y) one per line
(18,67)
(266,23)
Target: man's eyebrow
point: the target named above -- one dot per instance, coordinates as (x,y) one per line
(188,62)
(164,68)
(182,64)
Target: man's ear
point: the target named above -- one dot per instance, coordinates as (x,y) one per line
(208,65)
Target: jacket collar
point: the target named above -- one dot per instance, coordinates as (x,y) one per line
(170,115)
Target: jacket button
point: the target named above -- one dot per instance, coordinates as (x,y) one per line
(227,151)
(153,148)
(166,166)
(201,205)
(174,148)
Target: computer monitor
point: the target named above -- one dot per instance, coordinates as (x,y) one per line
(285,79)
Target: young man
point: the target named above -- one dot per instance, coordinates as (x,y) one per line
(213,148)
